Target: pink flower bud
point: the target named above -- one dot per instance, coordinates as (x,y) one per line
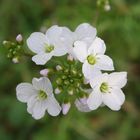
(44,72)
(19,38)
(66,108)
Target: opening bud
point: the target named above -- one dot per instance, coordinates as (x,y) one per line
(44,72)
(19,38)
(66,108)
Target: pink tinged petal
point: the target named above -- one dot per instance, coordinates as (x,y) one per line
(104,62)
(65,108)
(44,84)
(85,32)
(42,58)
(94,100)
(80,50)
(36,42)
(90,71)
(24,91)
(82,107)
(83,100)
(118,79)
(98,80)
(97,47)
(53,106)
(39,109)
(114,99)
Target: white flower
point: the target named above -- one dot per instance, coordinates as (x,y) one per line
(39,97)
(107,90)
(53,43)
(93,58)
(84,32)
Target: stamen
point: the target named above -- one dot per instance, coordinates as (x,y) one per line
(48,48)
(42,95)
(91,59)
(104,88)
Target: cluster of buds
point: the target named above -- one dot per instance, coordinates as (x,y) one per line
(14,48)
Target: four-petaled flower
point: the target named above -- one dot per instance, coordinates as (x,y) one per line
(39,97)
(53,43)
(107,90)
(93,57)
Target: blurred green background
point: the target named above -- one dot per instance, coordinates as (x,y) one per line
(119,27)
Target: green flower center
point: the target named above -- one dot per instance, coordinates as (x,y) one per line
(42,95)
(48,48)
(104,88)
(91,59)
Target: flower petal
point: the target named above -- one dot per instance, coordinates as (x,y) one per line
(42,58)
(53,106)
(114,100)
(44,84)
(80,50)
(61,38)
(95,99)
(104,63)
(82,107)
(30,104)
(85,32)
(36,42)
(98,80)
(90,71)
(97,47)
(24,91)
(119,94)
(118,79)
(39,109)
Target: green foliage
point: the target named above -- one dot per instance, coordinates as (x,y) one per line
(120,28)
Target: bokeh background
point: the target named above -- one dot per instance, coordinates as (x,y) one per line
(119,27)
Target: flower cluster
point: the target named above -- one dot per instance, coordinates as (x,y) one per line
(73,73)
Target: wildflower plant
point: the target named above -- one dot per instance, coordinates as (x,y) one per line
(75,66)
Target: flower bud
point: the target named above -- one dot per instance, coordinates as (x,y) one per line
(15,60)
(66,108)
(70,91)
(107,7)
(44,72)
(58,68)
(19,38)
(70,57)
(57,91)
